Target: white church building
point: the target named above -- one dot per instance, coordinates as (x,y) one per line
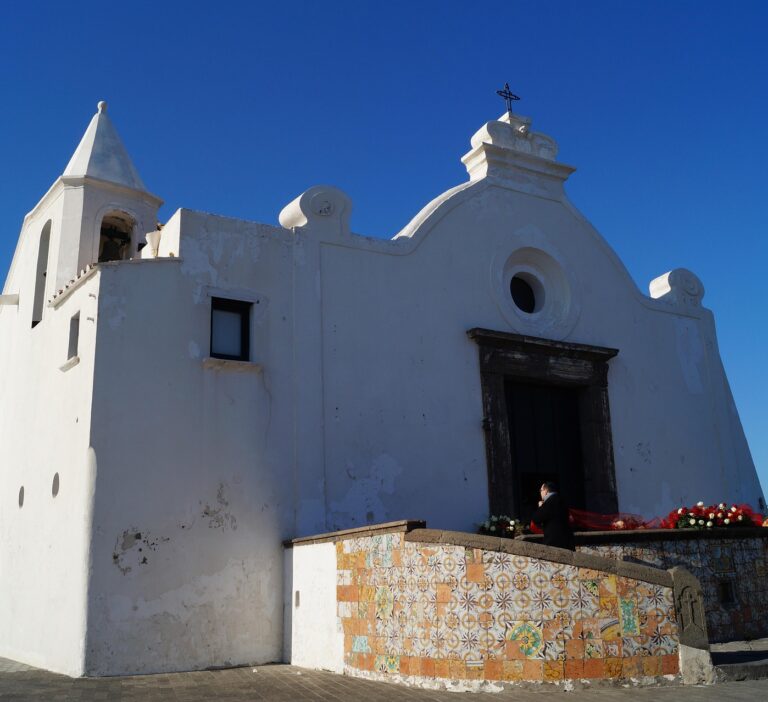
(177,400)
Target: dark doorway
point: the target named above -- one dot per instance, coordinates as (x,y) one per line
(546,416)
(545,443)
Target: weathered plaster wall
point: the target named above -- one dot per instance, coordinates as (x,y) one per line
(44,432)
(368,397)
(402,407)
(313,631)
(361,402)
(425,613)
(195,488)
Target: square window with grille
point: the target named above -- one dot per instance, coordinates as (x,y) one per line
(230,329)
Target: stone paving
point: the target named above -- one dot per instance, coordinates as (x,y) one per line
(278,683)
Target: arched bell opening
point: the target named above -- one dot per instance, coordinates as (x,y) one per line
(115,237)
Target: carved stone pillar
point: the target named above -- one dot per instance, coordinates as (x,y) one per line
(695,660)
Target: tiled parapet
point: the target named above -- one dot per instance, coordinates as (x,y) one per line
(731,565)
(449,606)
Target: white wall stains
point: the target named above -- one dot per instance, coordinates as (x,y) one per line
(198,262)
(113,309)
(200,621)
(363,502)
(690,353)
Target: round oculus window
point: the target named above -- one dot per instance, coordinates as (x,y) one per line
(522,294)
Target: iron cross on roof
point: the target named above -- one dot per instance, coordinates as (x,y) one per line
(508,96)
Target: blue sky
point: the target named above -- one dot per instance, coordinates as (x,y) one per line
(236,108)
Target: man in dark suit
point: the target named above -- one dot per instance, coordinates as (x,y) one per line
(552,517)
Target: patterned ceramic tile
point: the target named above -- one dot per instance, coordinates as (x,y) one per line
(610,628)
(554,650)
(419,609)
(710,560)
(527,638)
(628,616)
(594,649)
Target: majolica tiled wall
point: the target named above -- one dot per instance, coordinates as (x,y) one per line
(719,564)
(450,612)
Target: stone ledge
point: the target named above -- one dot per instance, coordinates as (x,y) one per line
(69,363)
(585,538)
(519,547)
(403,525)
(226,364)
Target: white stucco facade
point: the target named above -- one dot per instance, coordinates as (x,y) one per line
(360,401)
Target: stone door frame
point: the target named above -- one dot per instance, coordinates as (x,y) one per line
(505,356)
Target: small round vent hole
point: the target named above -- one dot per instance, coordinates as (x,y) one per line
(522,294)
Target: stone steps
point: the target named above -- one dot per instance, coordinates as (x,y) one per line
(731,672)
(742,660)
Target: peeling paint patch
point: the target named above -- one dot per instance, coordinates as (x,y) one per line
(197,262)
(132,548)
(217,514)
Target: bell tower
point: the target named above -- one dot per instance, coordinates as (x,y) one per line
(106,209)
(98,210)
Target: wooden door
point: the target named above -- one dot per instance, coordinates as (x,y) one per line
(545,443)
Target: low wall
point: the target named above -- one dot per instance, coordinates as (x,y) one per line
(731,565)
(428,607)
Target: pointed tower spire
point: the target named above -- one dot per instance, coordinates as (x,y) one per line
(101,154)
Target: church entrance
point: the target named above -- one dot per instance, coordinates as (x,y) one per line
(546,417)
(545,443)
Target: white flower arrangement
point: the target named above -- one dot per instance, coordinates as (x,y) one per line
(501,525)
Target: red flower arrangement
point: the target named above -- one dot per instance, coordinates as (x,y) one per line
(702,516)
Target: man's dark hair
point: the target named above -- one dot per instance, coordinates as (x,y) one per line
(551,486)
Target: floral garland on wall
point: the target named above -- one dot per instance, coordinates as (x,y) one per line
(702,516)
